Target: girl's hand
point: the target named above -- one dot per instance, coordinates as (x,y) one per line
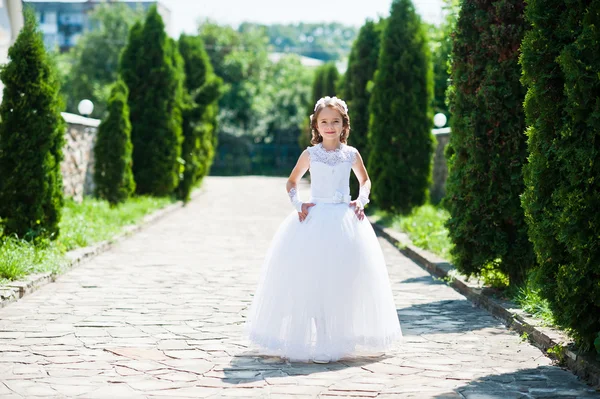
(360,213)
(305,207)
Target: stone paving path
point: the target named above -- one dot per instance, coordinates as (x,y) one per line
(160,316)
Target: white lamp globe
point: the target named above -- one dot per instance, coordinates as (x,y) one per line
(439,120)
(85,107)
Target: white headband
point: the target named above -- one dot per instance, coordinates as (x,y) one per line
(324,100)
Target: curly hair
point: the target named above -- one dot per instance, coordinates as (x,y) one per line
(338,105)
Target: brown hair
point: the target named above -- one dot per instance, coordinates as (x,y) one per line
(338,105)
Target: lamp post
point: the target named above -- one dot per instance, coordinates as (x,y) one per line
(85,107)
(439,120)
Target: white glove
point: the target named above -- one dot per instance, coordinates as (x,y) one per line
(293,194)
(363,196)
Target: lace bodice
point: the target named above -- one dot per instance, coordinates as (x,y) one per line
(332,157)
(330,172)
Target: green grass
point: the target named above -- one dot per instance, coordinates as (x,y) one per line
(94,220)
(81,225)
(19,258)
(529,299)
(424,226)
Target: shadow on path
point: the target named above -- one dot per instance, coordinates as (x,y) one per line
(446,317)
(539,382)
(244,369)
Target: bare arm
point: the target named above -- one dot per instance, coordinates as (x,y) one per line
(361,172)
(299,170)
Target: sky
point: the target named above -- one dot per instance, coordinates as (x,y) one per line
(186,13)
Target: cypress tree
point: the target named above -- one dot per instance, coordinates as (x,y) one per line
(149,69)
(487,225)
(318,89)
(401,118)
(31,139)
(202,88)
(330,76)
(561,65)
(113,170)
(362,64)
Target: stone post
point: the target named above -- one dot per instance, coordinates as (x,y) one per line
(78,163)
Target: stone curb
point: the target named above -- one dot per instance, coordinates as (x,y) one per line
(584,366)
(17,289)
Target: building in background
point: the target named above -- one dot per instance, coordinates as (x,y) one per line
(11,22)
(63,22)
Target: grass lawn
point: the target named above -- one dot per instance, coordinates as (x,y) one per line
(424,226)
(81,225)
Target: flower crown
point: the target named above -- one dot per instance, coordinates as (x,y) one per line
(326,99)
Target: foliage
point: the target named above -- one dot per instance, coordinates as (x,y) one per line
(113,173)
(324,41)
(199,116)
(361,68)
(288,92)
(94,60)
(441,52)
(241,60)
(485,181)
(325,83)
(31,139)
(401,118)
(561,62)
(330,77)
(149,67)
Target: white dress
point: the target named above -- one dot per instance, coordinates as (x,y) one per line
(324,288)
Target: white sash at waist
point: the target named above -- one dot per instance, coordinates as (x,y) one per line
(334,199)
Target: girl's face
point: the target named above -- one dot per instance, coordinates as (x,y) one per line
(330,124)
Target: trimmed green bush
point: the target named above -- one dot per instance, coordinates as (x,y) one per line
(561,65)
(199,122)
(329,83)
(149,69)
(401,119)
(113,173)
(324,84)
(31,139)
(487,225)
(361,68)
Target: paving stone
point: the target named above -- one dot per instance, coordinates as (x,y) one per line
(187,354)
(161,315)
(113,391)
(72,390)
(191,393)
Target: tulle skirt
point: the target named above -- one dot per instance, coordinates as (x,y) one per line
(324,289)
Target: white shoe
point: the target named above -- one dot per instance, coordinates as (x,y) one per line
(321,359)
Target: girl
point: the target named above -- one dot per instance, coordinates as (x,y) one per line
(324,293)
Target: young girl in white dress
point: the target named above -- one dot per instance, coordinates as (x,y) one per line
(324,291)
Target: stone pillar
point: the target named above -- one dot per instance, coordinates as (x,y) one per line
(440,167)
(78,163)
